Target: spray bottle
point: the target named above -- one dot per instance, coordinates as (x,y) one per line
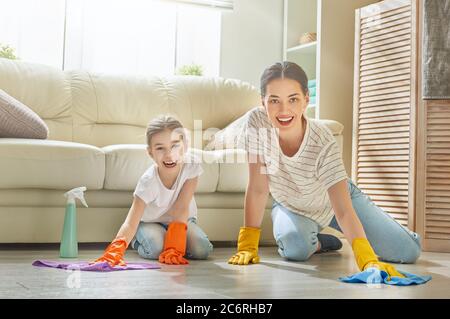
(69,241)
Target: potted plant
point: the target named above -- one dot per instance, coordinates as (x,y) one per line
(7,52)
(192,69)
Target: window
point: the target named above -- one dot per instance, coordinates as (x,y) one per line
(121,36)
(35,29)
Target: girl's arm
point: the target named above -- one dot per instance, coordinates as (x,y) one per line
(180,209)
(344,212)
(175,238)
(116,250)
(256,195)
(131,223)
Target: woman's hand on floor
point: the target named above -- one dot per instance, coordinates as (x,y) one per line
(388,268)
(244,258)
(366,258)
(248,242)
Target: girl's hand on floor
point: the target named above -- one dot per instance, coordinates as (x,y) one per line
(174,245)
(114,252)
(172,257)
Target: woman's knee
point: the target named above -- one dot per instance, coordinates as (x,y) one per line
(294,246)
(405,253)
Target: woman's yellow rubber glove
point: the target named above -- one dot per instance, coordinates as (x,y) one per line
(366,258)
(248,242)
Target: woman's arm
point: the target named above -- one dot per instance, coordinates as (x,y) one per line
(344,212)
(180,209)
(256,195)
(354,232)
(129,226)
(254,207)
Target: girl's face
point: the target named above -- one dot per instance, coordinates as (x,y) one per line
(167,150)
(285,103)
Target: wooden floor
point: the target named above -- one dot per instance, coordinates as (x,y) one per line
(214,278)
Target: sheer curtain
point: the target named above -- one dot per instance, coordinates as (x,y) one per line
(140,37)
(34,28)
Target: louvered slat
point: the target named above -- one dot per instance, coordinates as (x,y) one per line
(383,101)
(437,196)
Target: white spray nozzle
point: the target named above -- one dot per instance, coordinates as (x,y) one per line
(76,193)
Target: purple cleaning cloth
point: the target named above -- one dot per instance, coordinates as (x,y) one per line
(85,266)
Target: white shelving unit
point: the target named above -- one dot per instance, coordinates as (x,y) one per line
(300,16)
(307,48)
(329,60)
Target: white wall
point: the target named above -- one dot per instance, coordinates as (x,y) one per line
(252,39)
(337,66)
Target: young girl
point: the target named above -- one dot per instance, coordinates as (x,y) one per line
(161,223)
(300,164)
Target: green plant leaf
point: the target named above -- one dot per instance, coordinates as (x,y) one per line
(7,52)
(192,69)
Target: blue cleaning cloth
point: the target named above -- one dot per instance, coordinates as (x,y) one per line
(375,276)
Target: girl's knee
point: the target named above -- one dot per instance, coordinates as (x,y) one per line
(149,252)
(199,249)
(293,247)
(149,244)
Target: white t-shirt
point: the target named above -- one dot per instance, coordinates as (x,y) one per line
(300,182)
(158,198)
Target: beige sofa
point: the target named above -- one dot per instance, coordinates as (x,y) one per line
(97,127)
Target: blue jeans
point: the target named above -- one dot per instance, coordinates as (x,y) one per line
(296,235)
(149,240)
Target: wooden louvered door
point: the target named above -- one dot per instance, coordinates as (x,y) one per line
(433,187)
(384,106)
(433,168)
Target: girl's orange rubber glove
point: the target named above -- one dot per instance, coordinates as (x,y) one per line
(174,245)
(114,252)
(366,258)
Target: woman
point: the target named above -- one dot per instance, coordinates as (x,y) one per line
(298,161)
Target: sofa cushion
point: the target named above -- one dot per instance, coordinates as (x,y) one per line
(111,109)
(48,164)
(44,89)
(233,170)
(18,120)
(125,164)
(228,137)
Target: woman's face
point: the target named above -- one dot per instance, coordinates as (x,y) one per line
(285,103)
(167,150)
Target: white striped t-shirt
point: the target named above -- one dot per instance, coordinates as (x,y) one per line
(300,182)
